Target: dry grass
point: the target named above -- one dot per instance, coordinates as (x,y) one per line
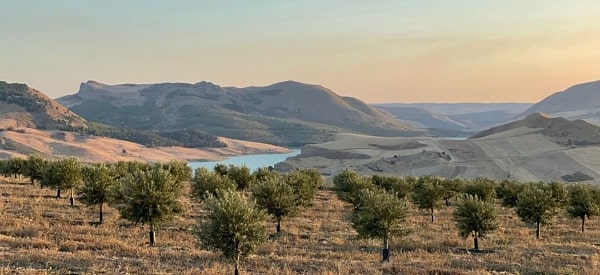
(43,235)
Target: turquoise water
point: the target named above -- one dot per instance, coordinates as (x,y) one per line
(252,161)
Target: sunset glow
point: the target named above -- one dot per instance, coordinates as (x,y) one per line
(378,51)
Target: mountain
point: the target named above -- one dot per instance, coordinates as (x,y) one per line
(536,148)
(287,113)
(23,106)
(464,117)
(581,101)
(30,122)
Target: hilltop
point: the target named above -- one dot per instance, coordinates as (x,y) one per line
(537,148)
(23,106)
(287,113)
(581,101)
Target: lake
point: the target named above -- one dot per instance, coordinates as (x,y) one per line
(252,161)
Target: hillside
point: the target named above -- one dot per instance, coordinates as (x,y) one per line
(21,142)
(287,113)
(23,106)
(537,148)
(462,117)
(559,129)
(581,101)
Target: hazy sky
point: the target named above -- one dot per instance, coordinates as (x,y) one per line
(378,51)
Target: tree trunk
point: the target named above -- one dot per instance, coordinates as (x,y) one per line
(475,241)
(101,213)
(71,199)
(385,253)
(151,236)
(432,215)
(582,224)
(237,264)
(278,225)
(537,230)
(447,201)
(58,193)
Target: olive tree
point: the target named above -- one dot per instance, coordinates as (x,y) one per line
(380,215)
(484,189)
(277,197)
(98,179)
(180,171)
(34,168)
(401,186)
(232,225)
(304,187)
(348,185)
(538,204)
(508,191)
(428,194)
(149,197)
(241,175)
(475,217)
(207,183)
(584,202)
(452,187)
(63,174)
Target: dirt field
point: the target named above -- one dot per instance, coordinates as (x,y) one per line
(520,154)
(96,149)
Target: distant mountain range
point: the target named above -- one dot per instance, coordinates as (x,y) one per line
(466,117)
(287,113)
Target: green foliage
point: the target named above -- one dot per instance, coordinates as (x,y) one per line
(508,191)
(19,94)
(476,217)
(263,173)
(304,186)
(178,169)
(484,189)
(241,175)
(538,204)
(206,183)
(231,225)
(63,174)
(184,138)
(348,185)
(584,202)
(148,196)
(315,176)
(14,166)
(277,197)
(380,216)
(428,194)
(452,187)
(401,186)
(221,169)
(98,179)
(34,167)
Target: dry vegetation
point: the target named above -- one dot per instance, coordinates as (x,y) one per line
(43,235)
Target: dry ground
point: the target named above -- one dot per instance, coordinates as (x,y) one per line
(519,155)
(101,149)
(43,235)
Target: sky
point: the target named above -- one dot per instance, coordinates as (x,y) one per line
(403,51)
